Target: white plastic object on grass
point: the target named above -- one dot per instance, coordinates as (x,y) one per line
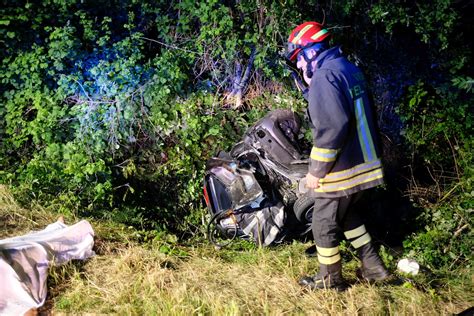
(408,266)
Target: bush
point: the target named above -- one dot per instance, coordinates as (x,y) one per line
(439,129)
(113,110)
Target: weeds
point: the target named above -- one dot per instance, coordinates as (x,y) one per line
(129,276)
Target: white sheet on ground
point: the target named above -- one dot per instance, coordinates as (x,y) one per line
(24,262)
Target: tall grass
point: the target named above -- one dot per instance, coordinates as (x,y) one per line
(128,277)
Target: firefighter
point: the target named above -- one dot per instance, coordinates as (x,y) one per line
(345,158)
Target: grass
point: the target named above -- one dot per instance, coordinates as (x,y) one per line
(161,277)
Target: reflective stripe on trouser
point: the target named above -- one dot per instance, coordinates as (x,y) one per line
(328,255)
(361,241)
(358,236)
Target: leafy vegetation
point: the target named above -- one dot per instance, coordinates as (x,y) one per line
(439,130)
(111,109)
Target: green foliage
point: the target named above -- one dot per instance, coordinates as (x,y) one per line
(433,21)
(447,238)
(112,110)
(463,83)
(439,130)
(99,116)
(439,125)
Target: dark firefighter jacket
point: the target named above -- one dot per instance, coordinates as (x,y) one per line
(345,154)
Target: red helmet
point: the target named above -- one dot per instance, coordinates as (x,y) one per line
(303,36)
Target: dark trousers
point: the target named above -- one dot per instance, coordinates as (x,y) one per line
(332,216)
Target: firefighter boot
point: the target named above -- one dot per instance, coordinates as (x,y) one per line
(328,277)
(372,269)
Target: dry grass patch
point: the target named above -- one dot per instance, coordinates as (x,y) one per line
(127,277)
(137,281)
(15,220)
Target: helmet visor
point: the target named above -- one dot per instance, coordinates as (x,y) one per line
(293,51)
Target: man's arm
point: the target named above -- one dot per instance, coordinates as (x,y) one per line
(329,113)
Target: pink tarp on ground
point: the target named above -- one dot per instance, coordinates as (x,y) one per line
(24,262)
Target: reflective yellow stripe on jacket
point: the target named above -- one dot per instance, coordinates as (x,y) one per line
(347,179)
(323,154)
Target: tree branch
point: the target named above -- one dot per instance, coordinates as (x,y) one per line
(240,82)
